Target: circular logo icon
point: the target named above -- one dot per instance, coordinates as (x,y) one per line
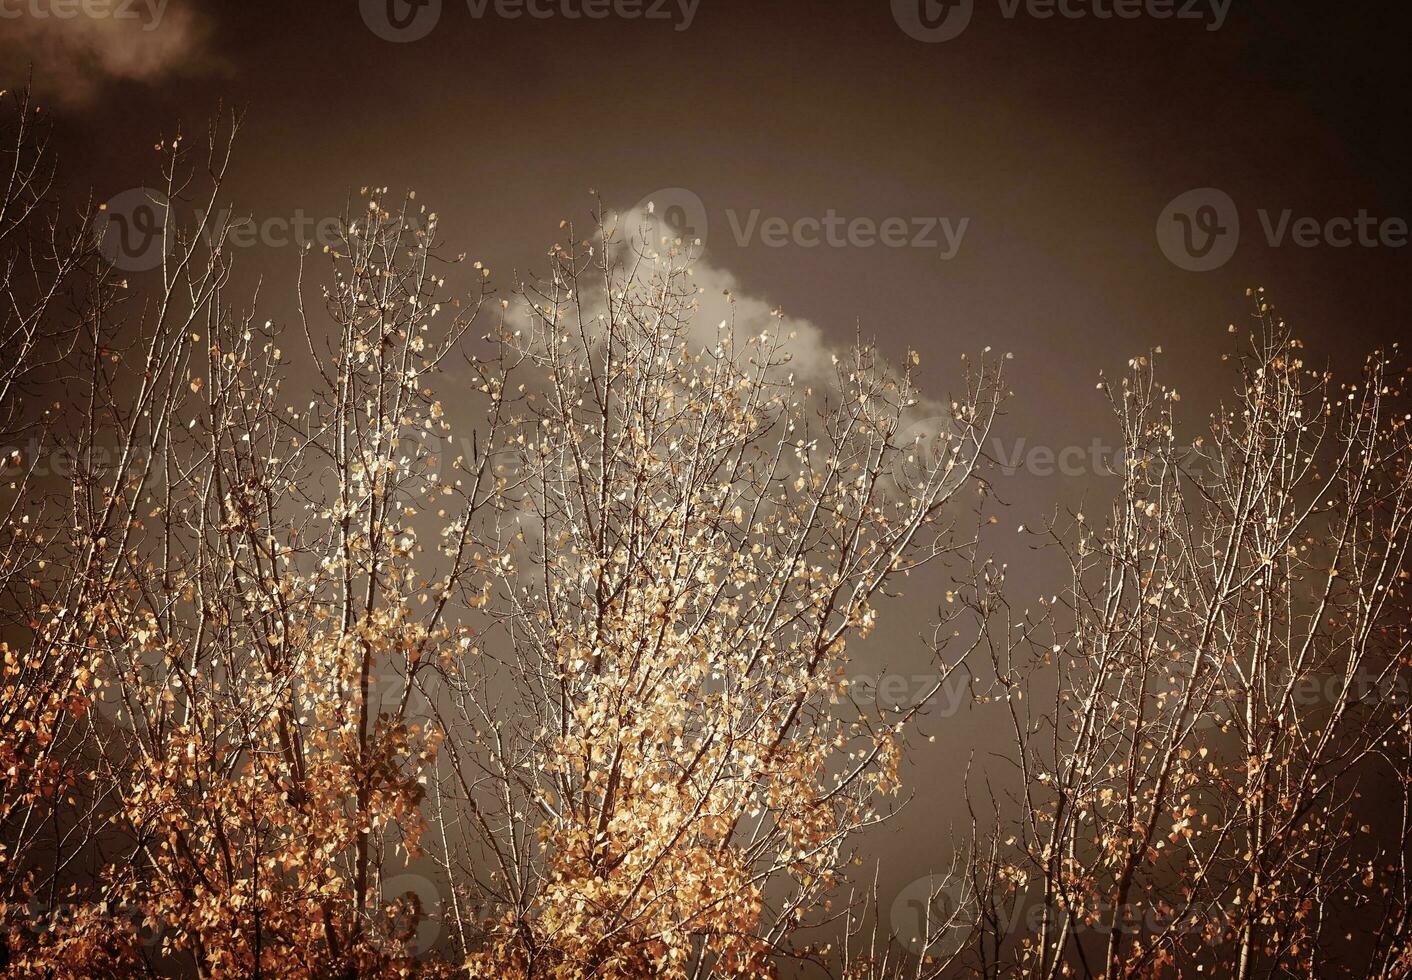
(1216,718)
(400,21)
(1209,922)
(924,449)
(408,919)
(111,704)
(671,213)
(933,21)
(1199,230)
(74,920)
(132,229)
(933,917)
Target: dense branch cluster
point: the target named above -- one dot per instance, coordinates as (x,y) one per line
(1209,717)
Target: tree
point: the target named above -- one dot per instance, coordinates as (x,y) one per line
(267,641)
(300,679)
(665,769)
(1199,718)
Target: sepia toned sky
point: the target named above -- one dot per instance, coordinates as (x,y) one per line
(1060,180)
(1054,144)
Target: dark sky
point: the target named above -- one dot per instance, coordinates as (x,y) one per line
(1059,141)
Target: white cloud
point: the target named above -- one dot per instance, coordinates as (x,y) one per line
(722,299)
(75,47)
